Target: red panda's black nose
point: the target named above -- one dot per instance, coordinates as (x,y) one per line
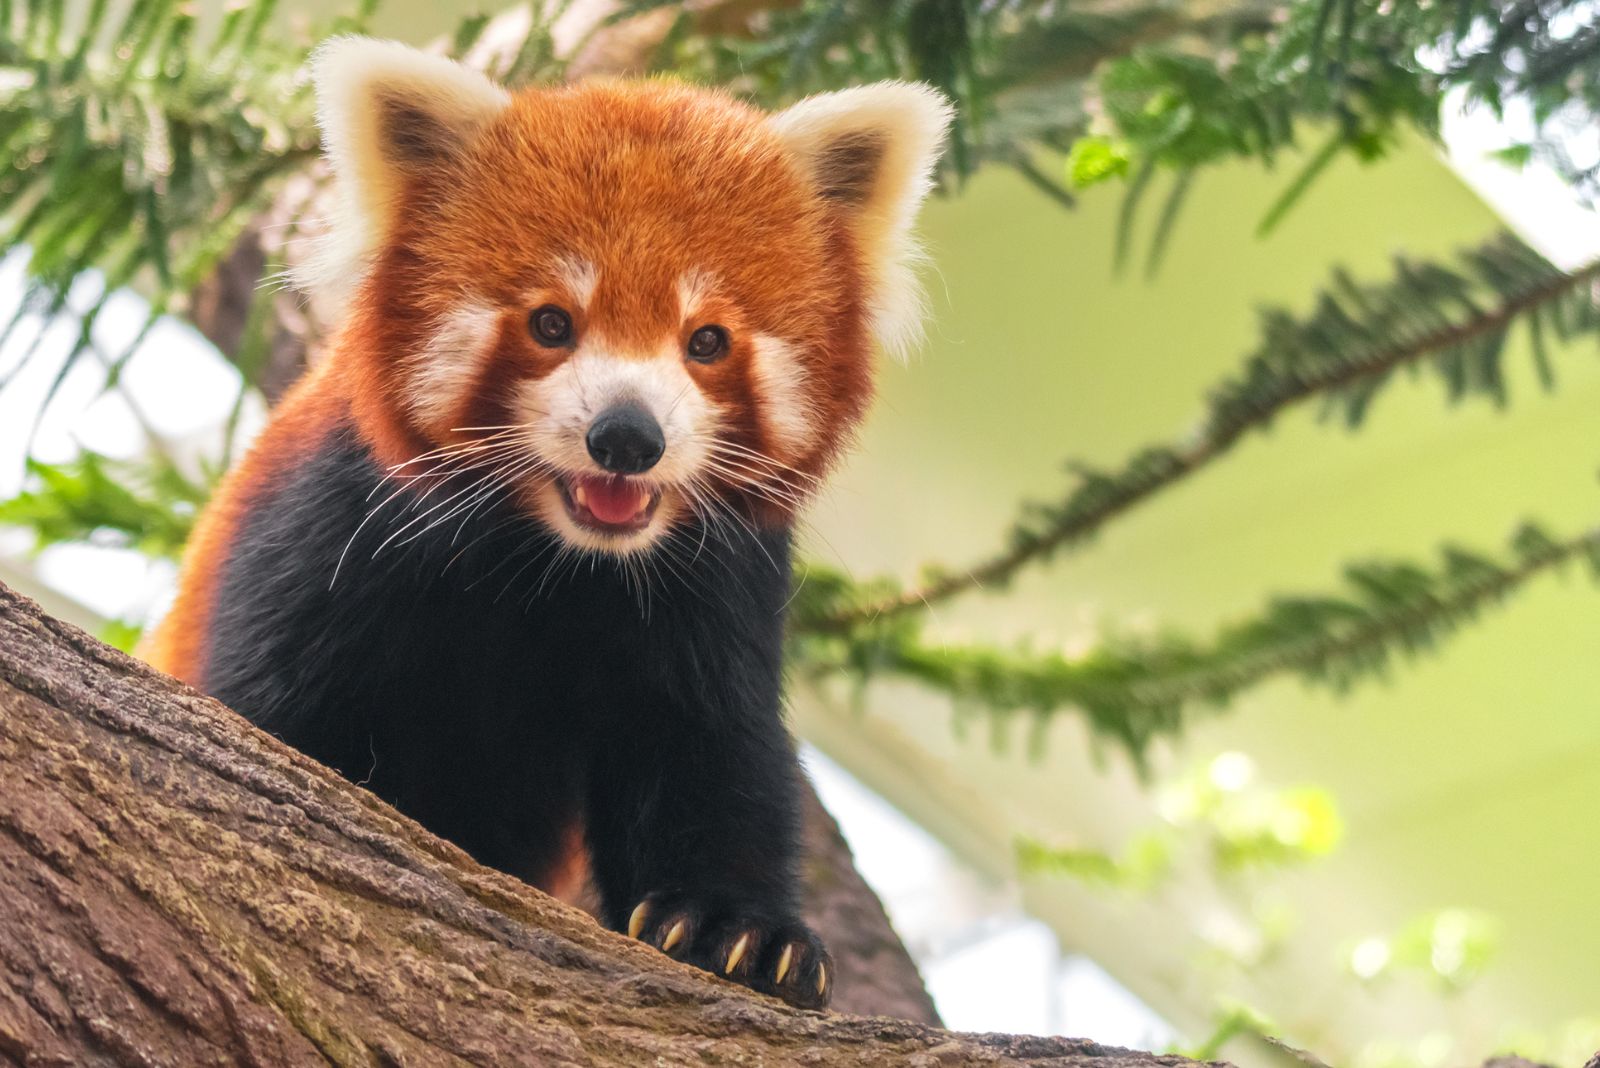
(626,440)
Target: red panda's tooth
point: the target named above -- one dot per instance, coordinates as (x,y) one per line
(580,495)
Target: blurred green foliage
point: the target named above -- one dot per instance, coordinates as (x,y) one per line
(148,505)
(1235,825)
(1144,863)
(1451,320)
(120,634)
(141,163)
(1217,820)
(1451,948)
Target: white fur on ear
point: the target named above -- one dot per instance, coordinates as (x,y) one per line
(871,151)
(386,110)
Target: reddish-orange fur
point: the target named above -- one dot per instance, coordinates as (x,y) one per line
(647,182)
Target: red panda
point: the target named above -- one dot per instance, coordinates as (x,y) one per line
(515,553)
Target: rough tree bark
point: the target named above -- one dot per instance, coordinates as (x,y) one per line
(178,888)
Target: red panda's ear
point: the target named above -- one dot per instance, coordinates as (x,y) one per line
(870,153)
(387,112)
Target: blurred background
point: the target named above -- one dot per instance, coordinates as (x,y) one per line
(1200,647)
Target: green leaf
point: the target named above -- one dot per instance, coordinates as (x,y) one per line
(1517,156)
(1095,159)
(1301,184)
(1146,863)
(146,505)
(121,634)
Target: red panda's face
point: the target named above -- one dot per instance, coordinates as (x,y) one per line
(648,303)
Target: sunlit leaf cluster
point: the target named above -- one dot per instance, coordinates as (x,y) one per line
(143,141)
(1238,826)
(1450,948)
(1362,72)
(1020,73)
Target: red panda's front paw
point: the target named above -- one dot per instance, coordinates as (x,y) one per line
(782,958)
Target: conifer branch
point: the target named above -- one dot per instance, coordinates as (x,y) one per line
(1135,689)
(1346,351)
(142,150)
(1017,72)
(145,161)
(1361,73)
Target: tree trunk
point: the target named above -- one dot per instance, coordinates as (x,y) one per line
(229,303)
(875,976)
(178,888)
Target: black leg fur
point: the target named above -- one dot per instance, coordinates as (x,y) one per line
(498,694)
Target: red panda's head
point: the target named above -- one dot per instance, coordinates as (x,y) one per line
(641,301)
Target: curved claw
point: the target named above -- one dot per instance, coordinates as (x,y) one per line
(636,921)
(736,954)
(784,961)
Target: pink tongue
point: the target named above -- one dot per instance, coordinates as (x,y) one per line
(614,500)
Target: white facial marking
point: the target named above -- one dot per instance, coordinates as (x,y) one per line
(781,382)
(580,279)
(444,371)
(560,407)
(694,289)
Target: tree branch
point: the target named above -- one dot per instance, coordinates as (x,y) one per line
(1349,346)
(875,976)
(1135,689)
(182,888)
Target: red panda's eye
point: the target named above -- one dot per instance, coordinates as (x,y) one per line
(708,343)
(550,325)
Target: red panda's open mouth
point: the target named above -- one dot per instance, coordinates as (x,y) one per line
(610,504)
